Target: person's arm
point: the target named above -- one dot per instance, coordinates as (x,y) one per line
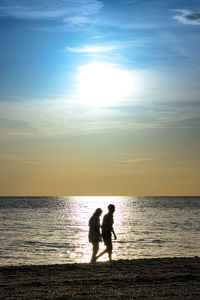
(96,225)
(114,233)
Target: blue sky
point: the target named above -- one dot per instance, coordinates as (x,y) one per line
(44,44)
(42,41)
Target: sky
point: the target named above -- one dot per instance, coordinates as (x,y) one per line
(99,97)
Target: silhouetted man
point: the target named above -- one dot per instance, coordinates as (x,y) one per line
(107,230)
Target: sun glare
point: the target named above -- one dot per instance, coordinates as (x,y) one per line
(101,84)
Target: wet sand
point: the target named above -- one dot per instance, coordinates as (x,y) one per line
(165,278)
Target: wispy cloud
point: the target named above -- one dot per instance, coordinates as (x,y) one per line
(11,124)
(133,161)
(94,48)
(75,20)
(17,159)
(70,11)
(188,17)
(128,1)
(71,14)
(11,129)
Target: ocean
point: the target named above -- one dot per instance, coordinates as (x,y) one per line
(54,230)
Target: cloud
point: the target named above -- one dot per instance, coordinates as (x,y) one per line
(17,159)
(12,129)
(76,20)
(188,17)
(94,48)
(69,11)
(133,161)
(128,1)
(15,124)
(189,123)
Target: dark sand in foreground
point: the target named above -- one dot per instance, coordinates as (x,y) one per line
(165,278)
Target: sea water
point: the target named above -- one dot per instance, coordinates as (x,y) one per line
(49,230)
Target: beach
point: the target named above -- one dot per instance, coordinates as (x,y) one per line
(159,278)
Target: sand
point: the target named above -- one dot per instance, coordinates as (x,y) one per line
(165,278)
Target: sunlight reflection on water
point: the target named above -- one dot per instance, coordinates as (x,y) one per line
(46,230)
(142,227)
(83,208)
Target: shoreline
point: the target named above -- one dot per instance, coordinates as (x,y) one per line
(155,278)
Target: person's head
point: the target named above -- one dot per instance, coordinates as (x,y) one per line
(98,212)
(111,208)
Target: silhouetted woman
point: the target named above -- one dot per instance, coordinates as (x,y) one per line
(94,232)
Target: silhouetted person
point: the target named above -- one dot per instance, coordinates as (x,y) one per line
(107,230)
(94,232)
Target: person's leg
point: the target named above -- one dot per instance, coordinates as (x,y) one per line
(95,250)
(108,243)
(107,250)
(102,253)
(109,247)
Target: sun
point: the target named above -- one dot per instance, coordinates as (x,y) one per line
(101,84)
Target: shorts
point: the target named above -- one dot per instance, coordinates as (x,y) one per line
(107,238)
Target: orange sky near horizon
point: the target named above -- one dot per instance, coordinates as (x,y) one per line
(113,161)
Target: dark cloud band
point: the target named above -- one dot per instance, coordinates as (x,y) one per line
(188,17)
